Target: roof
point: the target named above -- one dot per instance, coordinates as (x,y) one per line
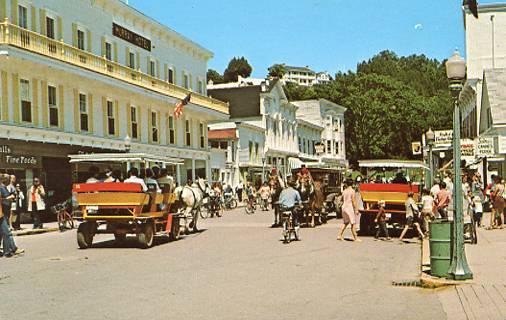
(294,68)
(495,86)
(222,134)
(309,123)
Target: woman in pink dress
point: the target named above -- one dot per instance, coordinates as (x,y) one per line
(349,211)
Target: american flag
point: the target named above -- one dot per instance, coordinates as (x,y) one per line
(178,110)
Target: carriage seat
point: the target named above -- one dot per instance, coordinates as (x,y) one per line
(106,187)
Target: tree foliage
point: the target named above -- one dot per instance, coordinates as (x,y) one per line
(277,70)
(237,67)
(213,75)
(391,102)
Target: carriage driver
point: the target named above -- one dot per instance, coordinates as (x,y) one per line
(288,199)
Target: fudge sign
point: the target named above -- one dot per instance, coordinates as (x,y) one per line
(131,37)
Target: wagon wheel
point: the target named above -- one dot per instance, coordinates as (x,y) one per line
(85,234)
(146,236)
(175,232)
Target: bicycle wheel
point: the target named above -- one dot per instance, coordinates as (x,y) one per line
(61,222)
(233,204)
(69,222)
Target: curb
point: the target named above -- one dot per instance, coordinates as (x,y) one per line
(33,231)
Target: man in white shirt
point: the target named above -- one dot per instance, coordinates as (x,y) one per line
(135,179)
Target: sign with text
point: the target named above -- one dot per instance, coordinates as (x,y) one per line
(416,147)
(5,149)
(501,145)
(131,37)
(467,150)
(11,161)
(485,147)
(443,138)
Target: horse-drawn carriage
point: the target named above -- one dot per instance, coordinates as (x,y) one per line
(124,208)
(326,191)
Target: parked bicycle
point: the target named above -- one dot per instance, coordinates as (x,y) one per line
(63,215)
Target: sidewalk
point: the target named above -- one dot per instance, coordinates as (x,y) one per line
(484,297)
(26,229)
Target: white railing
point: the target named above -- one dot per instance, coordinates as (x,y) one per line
(31,41)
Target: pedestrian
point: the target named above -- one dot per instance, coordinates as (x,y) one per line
(12,190)
(36,205)
(349,211)
(93,175)
(498,203)
(276,190)
(380,220)
(17,208)
(435,188)
(412,215)
(443,200)
(8,197)
(9,247)
(238,190)
(265,193)
(428,208)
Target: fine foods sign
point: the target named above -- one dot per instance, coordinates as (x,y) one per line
(131,37)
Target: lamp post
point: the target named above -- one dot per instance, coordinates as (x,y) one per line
(128,145)
(430,136)
(459,268)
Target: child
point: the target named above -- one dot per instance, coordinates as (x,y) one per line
(427,210)
(381,218)
(477,206)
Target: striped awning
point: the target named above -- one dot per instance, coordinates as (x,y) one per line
(295,163)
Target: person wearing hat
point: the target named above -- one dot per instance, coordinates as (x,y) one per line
(381,220)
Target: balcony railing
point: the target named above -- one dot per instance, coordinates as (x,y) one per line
(31,41)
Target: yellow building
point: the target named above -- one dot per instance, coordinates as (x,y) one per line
(81,76)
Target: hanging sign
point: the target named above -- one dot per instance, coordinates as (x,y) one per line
(443,138)
(467,150)
(501,145)
(416,147)
(485,147)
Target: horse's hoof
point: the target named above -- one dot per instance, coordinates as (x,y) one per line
(191,225)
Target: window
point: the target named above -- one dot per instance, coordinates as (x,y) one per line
(329,147)
(108,51)
(154,126)
(53,109)
(300,144)
(131,60)
(22,17)
(336,147)
(80,39)
(232,148)
(250,148)
(133,120)
(83,110)
(26,101)
(171,76)
(186,81)
(201,87)
(202,135)
(257,154)
(50,27)
(188,133)
(172,132)
(111,130)
(152,68)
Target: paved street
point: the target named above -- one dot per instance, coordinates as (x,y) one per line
(236,268)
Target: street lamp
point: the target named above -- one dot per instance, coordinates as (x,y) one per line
(430,136)
(128,143)
(459,268)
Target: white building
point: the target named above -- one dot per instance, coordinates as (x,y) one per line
(302,76)
(266,125)
(322,78)
(329,116)
(79,76)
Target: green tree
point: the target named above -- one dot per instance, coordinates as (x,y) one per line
(296,92)
(214,76)
(277,70)
(237,67)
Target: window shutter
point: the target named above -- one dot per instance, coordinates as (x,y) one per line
(3,9)
(138,56)
(90,113)
(115,48)
(139,123)
(88,36)
(74,35)
(191,82)
(148,65)
(166,70)
(174,75)
(15,96)
(34,18)
(116,118)
(61,107)
(129,119)
(104,116)
(5,97)
(158,121)
(59,23)
(35,102)
(127,56)
(150,136)
(103,47)
(158,69)
(14,12)
(42,18)
(77,127)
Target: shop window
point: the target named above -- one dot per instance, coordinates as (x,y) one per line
(80,39)
(111,130)
(202,135)
(26,101)
(172,131)
(108,51)
(154,126)
(188,139)
(133,122)
(53,108)
(83,110)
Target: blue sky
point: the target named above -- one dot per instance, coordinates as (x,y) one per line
(327,35)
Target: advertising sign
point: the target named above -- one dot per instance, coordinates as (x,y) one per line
(485,147)
(130,36)
(467,150)
(416,147)
(443,138)
(501,145)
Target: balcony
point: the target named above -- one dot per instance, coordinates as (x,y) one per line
(27,40)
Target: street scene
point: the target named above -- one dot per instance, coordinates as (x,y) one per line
(191,165)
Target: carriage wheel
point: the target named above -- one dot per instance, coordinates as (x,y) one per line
(175,232)
(146,236)
(85,233)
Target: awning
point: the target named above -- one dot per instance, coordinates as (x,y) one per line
(295,163)
(123,157)
(392,164)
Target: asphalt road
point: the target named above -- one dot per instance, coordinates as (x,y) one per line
(235,268)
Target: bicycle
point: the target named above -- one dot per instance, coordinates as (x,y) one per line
(289,226)
(64,218)
(251,205)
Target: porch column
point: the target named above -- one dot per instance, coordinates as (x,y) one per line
(193,169)
(208,169)
(178,174)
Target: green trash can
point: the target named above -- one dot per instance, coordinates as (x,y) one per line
(440,242)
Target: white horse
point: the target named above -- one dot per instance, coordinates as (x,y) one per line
(192,199)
